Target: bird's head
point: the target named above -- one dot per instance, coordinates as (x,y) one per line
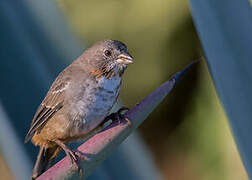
(108,58)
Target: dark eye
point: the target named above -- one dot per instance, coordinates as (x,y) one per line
(107,53)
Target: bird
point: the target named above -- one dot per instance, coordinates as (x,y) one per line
(78,101)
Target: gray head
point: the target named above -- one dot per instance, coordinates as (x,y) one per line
(108,58)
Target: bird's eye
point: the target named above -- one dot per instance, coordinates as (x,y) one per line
(107,53)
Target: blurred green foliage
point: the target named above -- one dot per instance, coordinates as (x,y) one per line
(188,134)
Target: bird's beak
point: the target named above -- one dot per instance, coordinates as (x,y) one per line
(125,59)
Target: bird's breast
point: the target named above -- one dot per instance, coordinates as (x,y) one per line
(95,102)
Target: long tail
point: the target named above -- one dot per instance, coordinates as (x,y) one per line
(44,160)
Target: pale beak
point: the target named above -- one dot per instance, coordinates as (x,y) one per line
(124,59)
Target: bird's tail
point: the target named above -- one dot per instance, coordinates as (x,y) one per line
(44,160)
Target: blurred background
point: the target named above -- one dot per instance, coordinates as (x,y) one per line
(186,137)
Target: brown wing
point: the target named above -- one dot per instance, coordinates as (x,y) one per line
(53,102)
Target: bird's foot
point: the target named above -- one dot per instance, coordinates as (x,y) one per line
(117,116)
(75,156)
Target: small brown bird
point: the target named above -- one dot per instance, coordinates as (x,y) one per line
(78,101)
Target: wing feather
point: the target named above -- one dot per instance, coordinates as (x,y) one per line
(52,103)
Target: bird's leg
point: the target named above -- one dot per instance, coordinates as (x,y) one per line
(73,155)
(117,116)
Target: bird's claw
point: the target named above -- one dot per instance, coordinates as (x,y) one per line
(74,156)
(117,116)
(120,112)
